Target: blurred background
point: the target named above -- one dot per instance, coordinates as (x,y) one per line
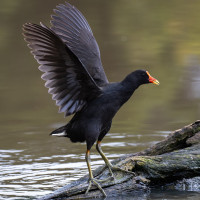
(162,37)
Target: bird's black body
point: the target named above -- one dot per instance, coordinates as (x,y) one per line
(69,56)
(94,121)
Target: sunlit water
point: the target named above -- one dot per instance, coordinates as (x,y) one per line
(161,36)
(24,173)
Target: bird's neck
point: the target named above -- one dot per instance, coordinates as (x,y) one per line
(119,92)
(131,82)
(128,86)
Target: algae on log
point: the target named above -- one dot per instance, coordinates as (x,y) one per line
(175,158)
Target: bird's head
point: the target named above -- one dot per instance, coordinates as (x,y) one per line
(143,77)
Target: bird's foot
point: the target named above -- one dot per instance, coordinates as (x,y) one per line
(115,168)
(95,182)
(110,178)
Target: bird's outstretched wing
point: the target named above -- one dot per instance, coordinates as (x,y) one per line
(67,79)
(75,32)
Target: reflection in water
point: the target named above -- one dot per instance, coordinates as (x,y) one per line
(163,35)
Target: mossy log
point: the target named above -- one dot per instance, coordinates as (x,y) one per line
(175,158)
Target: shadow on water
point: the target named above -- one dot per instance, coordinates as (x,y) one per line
(160,36)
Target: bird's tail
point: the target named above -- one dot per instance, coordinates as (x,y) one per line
(60,132)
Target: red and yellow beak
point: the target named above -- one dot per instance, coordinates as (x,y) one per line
(152,79)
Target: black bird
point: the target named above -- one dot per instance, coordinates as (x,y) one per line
(69,56)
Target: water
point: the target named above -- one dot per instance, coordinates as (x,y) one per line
(161,36)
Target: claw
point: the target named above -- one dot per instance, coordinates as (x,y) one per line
(95,182)
(115,168)
(111,178)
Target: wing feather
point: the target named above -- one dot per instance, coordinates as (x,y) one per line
(66,77)
(75,32)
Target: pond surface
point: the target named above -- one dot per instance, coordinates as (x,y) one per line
(160,36)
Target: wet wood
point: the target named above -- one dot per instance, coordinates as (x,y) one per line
(175,158)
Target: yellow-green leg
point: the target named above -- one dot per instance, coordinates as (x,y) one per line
(91,178)
(111,168)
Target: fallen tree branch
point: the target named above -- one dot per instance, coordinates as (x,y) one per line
(175,158)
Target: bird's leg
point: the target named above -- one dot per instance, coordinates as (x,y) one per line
(111,168)
(91,178)
(107,162)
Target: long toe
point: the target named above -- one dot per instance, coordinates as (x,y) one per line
(115,168)
(110,178)
(95,182)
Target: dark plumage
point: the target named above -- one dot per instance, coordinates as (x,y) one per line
(69,56)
